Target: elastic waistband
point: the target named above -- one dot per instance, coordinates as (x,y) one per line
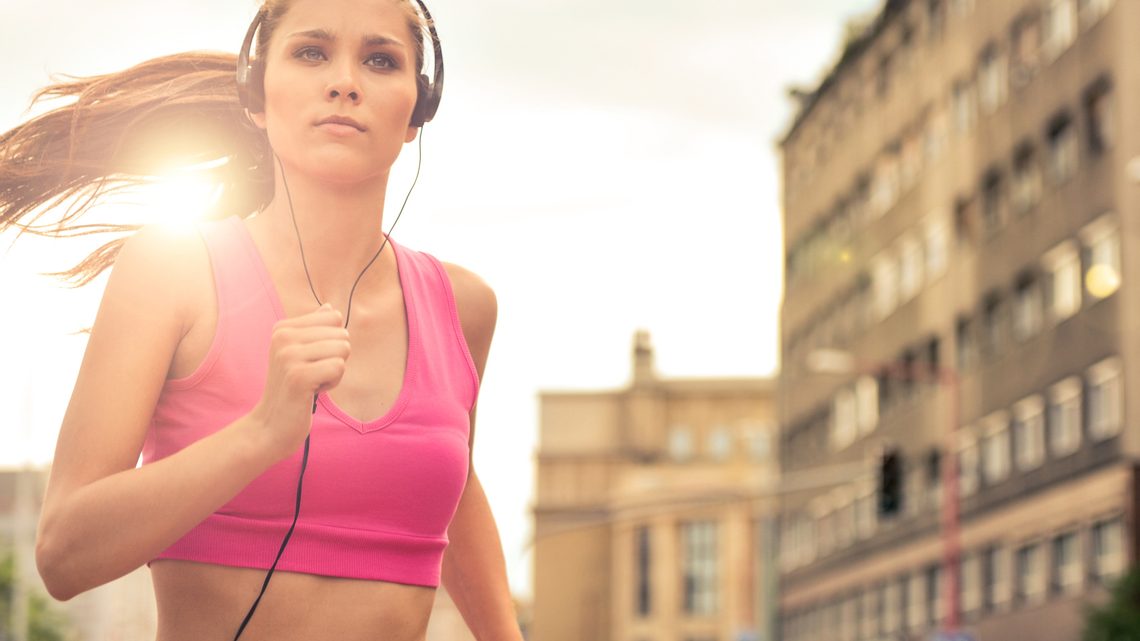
(314,549)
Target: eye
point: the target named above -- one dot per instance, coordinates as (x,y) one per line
(303,53)
(383,60)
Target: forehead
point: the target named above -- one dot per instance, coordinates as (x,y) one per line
(349,21)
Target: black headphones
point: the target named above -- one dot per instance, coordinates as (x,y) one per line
(251,77)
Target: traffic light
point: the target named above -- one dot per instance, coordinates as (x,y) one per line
(890,483)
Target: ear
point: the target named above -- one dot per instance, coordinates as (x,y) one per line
(411,135)
(258,118)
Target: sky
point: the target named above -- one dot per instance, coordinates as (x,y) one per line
(604,166)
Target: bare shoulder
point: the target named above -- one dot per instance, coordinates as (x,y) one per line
(163,264)
(478,309)
(163,250)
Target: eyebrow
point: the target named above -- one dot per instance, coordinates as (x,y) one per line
(328,36)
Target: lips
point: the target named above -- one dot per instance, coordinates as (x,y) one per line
(342,120)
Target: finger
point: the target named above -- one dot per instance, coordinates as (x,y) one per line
(315,351)
(324,315)
(285,336)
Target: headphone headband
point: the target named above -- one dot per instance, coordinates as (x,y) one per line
(251,76)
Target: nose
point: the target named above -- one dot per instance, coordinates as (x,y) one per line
(343,83)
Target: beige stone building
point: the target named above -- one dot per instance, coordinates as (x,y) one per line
(646,511)
(959,195)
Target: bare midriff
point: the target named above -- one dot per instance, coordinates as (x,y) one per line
(205,602)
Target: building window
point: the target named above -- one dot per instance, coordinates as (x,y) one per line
(759,438)
(965,221)
(885,191)
(993,72)
(720,443)
(1108,550)
(971,585)
(916,616)
(644,575)
(1063,149)
(993,324)
(843,419)
(910,268)
(934,356)
(968,463)
(1065,574)
(937,131)
(1029,433)
(1026,39)
(935,18)
(886,285)
(1090,11)
(962,8)
(872,613)
(1065,417)
(965,106)
(993,201)
(844,520)
(911,160)
(1060,27)
(867,404)
(966,343)
(937,244)
(883,77)
(995,448)
(934,602)
(850,625)
(1101,239)
(1030,583)
(1099,112)
(1026,189)
(995,578)
(865,514)
(893,604)
(1106,399)
(681,443)
(933,487)
(1027,308)
(1063,265)
(699,568)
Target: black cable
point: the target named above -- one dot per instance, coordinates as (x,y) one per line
(347,315)
(288,535)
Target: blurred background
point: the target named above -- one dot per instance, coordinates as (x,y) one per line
(811,314)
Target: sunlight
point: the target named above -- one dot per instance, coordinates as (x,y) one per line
(179,197)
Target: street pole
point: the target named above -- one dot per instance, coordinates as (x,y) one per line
(951,540)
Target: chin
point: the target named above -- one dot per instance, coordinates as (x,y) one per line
(344,168)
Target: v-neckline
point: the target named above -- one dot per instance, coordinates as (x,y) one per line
(323,398)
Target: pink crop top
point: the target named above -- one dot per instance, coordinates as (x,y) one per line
(378,496)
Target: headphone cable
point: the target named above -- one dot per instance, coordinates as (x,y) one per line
(348,313)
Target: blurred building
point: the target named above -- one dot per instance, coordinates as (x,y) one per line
(122,609)
(647,515)
(956,210)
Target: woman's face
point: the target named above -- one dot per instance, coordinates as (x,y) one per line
(349,58)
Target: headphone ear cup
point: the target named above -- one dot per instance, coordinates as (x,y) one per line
(256,87)
(423,100)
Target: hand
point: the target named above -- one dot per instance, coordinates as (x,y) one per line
(307,356)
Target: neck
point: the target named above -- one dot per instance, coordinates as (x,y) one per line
(340,227)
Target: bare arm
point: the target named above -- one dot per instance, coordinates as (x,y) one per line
(474,571)
(102,516)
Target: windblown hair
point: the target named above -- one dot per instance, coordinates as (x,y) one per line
(123,129)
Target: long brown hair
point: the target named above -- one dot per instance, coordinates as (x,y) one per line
(124,128)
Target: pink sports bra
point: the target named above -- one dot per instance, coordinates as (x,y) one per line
(378,496)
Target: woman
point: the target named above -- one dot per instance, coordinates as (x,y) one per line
(299,343)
